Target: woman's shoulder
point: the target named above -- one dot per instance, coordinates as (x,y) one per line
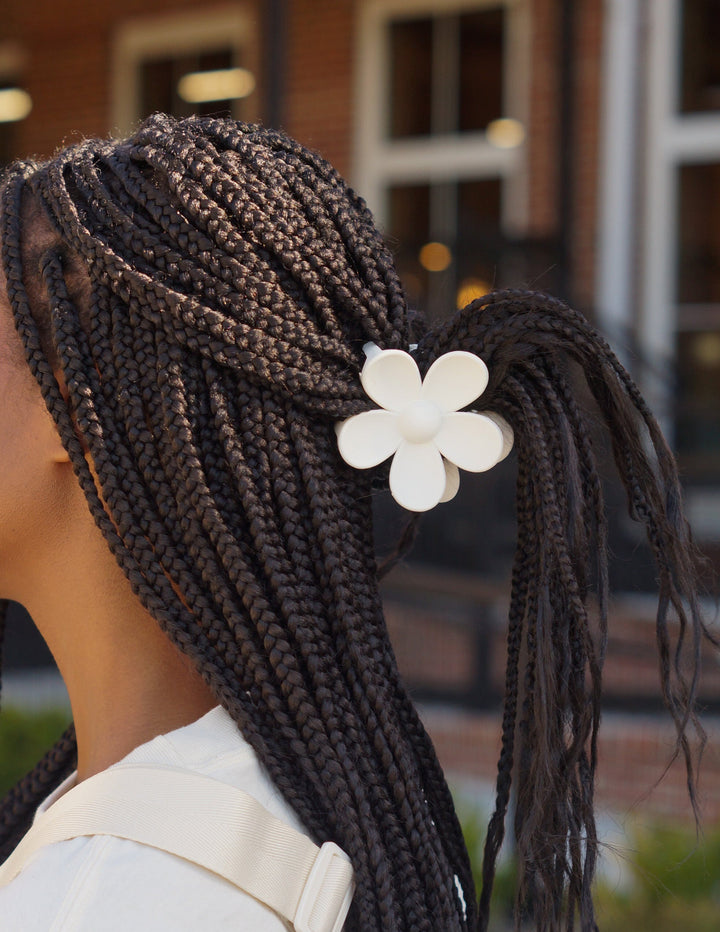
(214,747)
(108,883)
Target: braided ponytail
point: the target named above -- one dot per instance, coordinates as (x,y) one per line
(232,280)
(549,739)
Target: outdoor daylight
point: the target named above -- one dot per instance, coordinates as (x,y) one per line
(360,465)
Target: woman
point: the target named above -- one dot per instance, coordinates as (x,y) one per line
(206,309)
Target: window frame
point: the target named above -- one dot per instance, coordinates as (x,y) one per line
(380,162)
(618,226)
(674,139)
(140,39)
(13,66)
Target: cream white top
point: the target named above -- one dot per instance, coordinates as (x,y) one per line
(109,884)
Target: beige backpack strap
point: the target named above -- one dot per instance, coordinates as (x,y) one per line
(216,826)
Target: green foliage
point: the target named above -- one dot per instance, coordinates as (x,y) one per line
(24,738)
(673,879)
(675,884)
(474,821)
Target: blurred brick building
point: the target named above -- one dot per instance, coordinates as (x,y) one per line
(565,145)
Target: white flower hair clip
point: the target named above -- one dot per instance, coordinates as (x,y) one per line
(420,424)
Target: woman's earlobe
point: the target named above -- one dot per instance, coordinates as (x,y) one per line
(58,452)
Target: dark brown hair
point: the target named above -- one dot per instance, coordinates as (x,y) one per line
(233,280)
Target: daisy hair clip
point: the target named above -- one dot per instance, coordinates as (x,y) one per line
(421,425)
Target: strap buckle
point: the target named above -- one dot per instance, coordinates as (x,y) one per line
(327,893)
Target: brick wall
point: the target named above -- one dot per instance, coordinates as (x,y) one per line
(434,621)
(633,754)
(544,136)
(319,76)
(68,47)
(544,129)
(588,71)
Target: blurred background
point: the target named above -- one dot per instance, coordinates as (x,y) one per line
(571,146)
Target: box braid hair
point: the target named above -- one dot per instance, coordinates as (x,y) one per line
(233,280)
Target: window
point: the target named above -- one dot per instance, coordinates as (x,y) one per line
(698,239)
(446,73)
(185,64)
(697,422)
(8,147)
(683,267)
(160,83)
(15,102)
(700,70)
(447,241)
(440,144)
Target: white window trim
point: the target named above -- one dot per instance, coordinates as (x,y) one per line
(378,162)
(139,39)
(656,325)
(617,228)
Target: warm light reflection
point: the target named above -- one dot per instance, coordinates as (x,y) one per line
(200,87)
(435,257)
(707,349)
(15,104)
(470,289)
(505,133)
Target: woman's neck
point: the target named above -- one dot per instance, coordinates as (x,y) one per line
(126,681)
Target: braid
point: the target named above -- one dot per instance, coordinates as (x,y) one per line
(561,556)
(233,280)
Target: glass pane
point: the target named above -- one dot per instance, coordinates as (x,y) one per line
(700,75)
(443,269)
(8,134)
(159,79)
(410,212)
(698,411)
(410,77)
(480,246)
(481,68)
(8,148)
(699,234)
(218,58)
(479,208)
(408,230)
(697,422)
(157,87)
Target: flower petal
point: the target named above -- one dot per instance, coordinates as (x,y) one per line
(507,432)
(367,439)
(471,441)
(452,481)
(392,379)
(455,380)
(417,476)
